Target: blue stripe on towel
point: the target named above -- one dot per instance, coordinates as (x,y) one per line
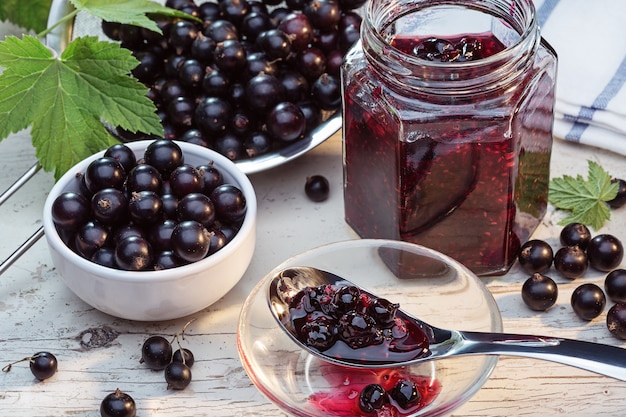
(600,103)
(545,10)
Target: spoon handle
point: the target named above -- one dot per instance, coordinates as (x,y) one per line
(595,357)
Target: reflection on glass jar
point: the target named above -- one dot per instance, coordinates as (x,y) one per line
(448,112)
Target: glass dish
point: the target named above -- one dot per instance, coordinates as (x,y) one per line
(426,283)
(85,24)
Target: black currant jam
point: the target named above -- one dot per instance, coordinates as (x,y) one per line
(447,138)
(347,323)
(347,386)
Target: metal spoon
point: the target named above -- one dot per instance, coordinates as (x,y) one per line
(599,358)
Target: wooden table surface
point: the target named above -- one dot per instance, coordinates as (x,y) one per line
(98,353)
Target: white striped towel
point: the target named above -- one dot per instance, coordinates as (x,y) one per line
(590,40)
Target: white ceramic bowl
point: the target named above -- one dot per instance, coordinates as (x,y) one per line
(427,284)
(156,295)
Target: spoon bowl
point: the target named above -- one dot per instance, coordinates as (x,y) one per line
(287,286)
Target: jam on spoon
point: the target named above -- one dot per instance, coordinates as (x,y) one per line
(348,323)
(375,346)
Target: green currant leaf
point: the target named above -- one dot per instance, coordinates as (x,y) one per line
(585,198)
(31,14)
(67,99)
(133,12)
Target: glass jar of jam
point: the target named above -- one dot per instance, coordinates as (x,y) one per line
(447,127)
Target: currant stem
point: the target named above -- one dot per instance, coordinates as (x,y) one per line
(8,367)
(181,334)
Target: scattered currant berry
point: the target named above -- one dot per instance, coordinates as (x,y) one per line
(535,256)
(588,301)
(118,404)
(615,285)
(620,198)
(605,252)
(575,234)
(177,375)
(373,397)
(185,357)
(571,261)
(616,320)
(539,292)
(43,365)
(317,188)
(156,353)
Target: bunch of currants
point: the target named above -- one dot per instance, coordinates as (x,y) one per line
(248,77)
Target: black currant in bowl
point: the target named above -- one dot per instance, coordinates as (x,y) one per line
(244,59)
(132,265)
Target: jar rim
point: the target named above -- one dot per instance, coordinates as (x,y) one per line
(524,29)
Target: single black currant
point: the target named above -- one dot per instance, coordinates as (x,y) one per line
(263,92)
(191,241)
(605,252)
(539,292)
(185,356)
(575,234)
(198,207)
(143,177)
(326,90)
(134,254)
(156,352)
(104,256)
(615,285)
(588,301)
(571,261)
(616,320)
(186,179)
(109,206)
(535,256)
(123,154)
(92,236)
(177,375)
(211,177)
(105,172)
(145,207)
(164,155)
(118,404)
(230,203)
(70,210)
(317,188)
(286,122)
